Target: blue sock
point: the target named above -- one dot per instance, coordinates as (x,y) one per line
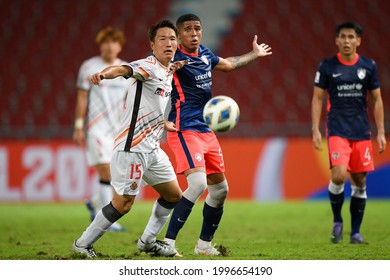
(211,218)
(356,208)
(336,201)
(179,216)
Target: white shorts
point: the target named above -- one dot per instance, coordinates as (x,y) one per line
(129,170)
(99,149)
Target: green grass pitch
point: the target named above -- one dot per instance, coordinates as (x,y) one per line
(249,230)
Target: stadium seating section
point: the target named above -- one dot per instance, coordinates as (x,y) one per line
(44,42)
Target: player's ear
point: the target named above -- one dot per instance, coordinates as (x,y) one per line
(358,41)
(152,45)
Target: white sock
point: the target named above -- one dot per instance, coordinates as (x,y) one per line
(335,189)
(203,244)
(94,231)
(95,201)
(106,192)
(359,192)
(156,222)
(170,241)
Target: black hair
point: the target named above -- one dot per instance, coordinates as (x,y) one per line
(187,17)
(350,25)
(161,24)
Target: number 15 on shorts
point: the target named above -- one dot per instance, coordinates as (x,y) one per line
(135,171)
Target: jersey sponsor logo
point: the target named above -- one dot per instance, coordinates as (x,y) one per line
(162,92)
(204,59)
(203,76)
(361,72)
(366,163)
(204,85)
(345,87)
(335,75)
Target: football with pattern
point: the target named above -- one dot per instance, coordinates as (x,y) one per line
(221,113)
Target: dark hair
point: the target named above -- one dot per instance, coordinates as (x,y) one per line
(187,17)
(110,33)
(161,24)
(350,25)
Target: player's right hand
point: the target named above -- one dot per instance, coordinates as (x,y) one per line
(78,136)
(317,140)
(97,78)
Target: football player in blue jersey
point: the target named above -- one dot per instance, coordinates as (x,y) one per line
(196,148)
(349,79)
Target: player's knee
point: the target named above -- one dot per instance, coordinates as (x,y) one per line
(123,204)
(338,178)
(197,184)
(217,194)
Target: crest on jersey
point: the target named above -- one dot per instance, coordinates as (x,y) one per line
(335,155)
(204,59)
(361,72)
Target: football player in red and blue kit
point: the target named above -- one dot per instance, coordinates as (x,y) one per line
(349,79)
(196,148)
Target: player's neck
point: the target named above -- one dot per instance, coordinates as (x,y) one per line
(187,51)
(109,60)
(348,57)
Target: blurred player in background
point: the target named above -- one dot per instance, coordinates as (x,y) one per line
(98,108)
(196,148)
(138,156)
(347,77)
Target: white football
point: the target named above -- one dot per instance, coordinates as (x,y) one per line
(221,113)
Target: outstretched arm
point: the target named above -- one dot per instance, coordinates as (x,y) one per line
(111,72)
(379,118)
(235,62)
(316,110)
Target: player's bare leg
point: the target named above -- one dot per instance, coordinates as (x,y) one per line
(357,206)
(339,174)
(170,194)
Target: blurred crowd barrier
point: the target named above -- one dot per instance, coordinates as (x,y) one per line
(263,169)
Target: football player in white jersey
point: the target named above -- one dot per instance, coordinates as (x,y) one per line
(97,114)
(138,156)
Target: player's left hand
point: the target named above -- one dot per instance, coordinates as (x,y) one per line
(381,138)
(262,49)
(169,126)
(177,65)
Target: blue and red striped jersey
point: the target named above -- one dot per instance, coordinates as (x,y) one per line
(192,89)
(347,84)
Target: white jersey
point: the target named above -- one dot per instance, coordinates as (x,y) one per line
(142,121)
(106,101)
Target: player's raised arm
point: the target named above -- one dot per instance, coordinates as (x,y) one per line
(111,72)
(316,110)
(379,118)
(235,62)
